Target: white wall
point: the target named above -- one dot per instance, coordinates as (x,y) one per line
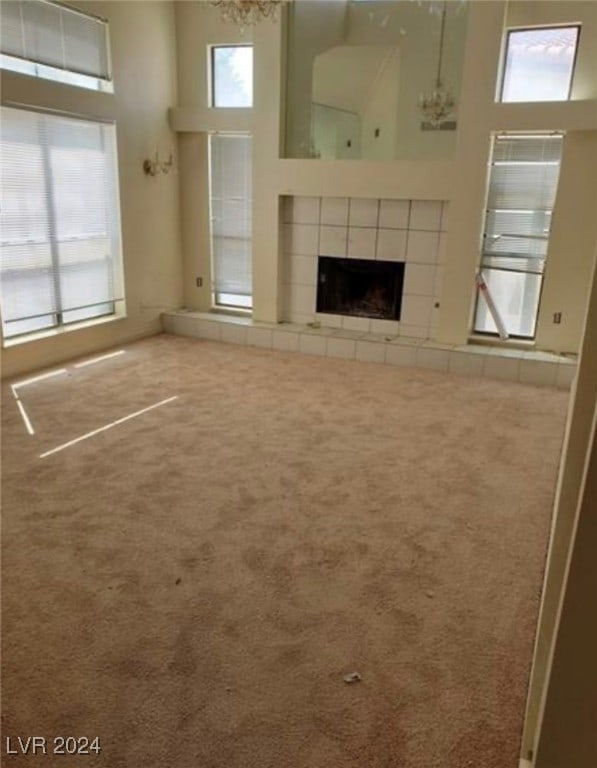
(380,115)
(416,32)
(562,706)
(344,74)
(360,80)
(415,29)
(144,64)
(301,52)
(411,28)
(336,134)
(570,255)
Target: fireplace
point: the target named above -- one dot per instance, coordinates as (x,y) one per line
(360,287)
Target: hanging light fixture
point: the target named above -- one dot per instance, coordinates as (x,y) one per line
(244,13)
(437,106)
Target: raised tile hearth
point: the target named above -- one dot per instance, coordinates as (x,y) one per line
(525,366)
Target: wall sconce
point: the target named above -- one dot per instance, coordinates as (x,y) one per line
(156,166)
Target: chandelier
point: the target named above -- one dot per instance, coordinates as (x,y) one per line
(244,13)
(438,105)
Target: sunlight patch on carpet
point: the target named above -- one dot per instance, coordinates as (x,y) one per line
(99,359)
(112,424)
(35,379)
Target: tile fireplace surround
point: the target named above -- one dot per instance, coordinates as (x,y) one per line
(411,231)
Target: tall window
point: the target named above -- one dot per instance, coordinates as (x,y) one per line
(50,40)
(522,188)
(231,210)
(231,75)
(539,63)
(60,256)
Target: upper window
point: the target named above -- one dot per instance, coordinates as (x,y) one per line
(60,254)
(232,75)
(539,64)
(50,40)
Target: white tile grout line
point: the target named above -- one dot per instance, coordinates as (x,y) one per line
(106,427)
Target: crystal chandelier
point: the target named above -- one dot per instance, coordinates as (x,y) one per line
(244,13)
(437,107)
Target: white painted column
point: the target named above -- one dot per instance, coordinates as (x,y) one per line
(481,60)
(267,142)
(571,501)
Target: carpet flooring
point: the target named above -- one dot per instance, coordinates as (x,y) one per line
(192,584)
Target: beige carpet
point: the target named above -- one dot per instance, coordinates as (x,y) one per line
(192,585)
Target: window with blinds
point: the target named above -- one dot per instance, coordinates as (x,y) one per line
(49,40)
(60,252)
(230,212)
(522,188)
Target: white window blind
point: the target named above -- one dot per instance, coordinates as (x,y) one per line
(60,257)
(522,189)
(231,211)
(46,39)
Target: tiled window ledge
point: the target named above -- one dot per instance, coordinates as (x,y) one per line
(525,366)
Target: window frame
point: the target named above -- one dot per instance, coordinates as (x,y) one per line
(33,68)
(537,28)
(212,72)
(515,337)
(117,303)
(540,273)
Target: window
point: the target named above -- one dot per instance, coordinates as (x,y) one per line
(60,255)
(522,188)
(232,75)
(230,203)
(52,41)
(539,64)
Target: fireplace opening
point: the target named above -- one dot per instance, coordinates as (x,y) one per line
(360,287)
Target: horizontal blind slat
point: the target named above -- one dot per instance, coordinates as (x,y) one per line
(530,149)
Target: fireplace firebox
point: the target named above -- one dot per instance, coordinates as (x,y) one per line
(360,287)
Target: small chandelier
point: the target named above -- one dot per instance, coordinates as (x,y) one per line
(244,13)
(437,107)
